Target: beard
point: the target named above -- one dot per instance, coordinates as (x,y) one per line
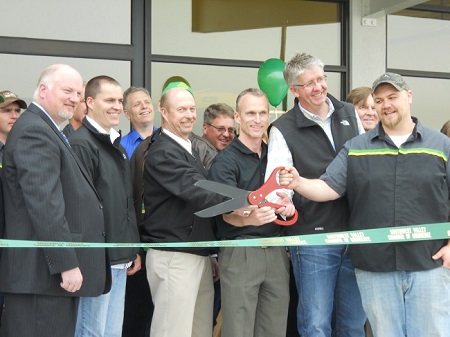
(392,123)
(65,114)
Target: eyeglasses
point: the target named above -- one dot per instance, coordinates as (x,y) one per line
(310,84)
(221,129)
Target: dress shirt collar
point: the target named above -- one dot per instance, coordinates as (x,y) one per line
(315,117)
(134,136)
(186,144)
(40,107)
(113,135)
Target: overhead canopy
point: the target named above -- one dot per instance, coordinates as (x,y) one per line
(232,15)
(228,15)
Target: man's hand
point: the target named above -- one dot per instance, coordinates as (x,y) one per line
(135,267)
(71,280)
(215,268)
(251,216)
(289,209)
(444,254)
(245,211)
(313,189)
(261,215)
(289,177)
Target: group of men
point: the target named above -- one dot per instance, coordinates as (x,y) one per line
(78,186)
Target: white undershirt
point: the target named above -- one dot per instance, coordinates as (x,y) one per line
(399,140)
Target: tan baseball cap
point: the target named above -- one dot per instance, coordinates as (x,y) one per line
(7,97)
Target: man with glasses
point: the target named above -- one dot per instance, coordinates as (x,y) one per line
(308,137)
(218,132)
(218,125)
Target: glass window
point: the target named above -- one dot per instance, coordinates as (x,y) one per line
(106,21)
(422,49)
(23,83)
(169,38)
(172,35)
(418,43)
(210,84)
(304,39)
(430,101)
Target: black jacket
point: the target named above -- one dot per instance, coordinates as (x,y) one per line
(311,152)
(108,166)
(171,199)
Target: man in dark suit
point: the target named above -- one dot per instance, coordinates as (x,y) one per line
(49,197)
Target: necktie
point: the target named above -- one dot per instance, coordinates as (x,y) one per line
(65,137)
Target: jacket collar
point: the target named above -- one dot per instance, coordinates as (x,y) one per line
(379,133)
(104,137)
(33,108)
(303,122)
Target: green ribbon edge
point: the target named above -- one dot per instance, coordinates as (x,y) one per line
(432,231)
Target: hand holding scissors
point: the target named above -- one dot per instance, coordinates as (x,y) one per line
(241,198)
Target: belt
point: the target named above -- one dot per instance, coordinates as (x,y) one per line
(243,237)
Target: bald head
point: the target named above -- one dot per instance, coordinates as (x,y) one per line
(178,112)
(59,91)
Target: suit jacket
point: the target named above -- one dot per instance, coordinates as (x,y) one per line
(49,197)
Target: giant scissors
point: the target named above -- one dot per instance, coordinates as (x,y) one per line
(242,198)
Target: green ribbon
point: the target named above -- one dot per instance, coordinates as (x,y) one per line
(433,231)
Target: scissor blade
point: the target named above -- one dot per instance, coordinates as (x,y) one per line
(224,207)
(222,189)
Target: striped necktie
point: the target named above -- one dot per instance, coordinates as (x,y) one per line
(65,137)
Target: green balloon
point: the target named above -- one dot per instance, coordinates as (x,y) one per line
(271,80)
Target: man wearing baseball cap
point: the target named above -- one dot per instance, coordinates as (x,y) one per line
(10,109)
(396,174)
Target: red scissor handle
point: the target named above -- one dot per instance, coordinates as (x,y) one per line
(289,222)
(258,196)
(292,220)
